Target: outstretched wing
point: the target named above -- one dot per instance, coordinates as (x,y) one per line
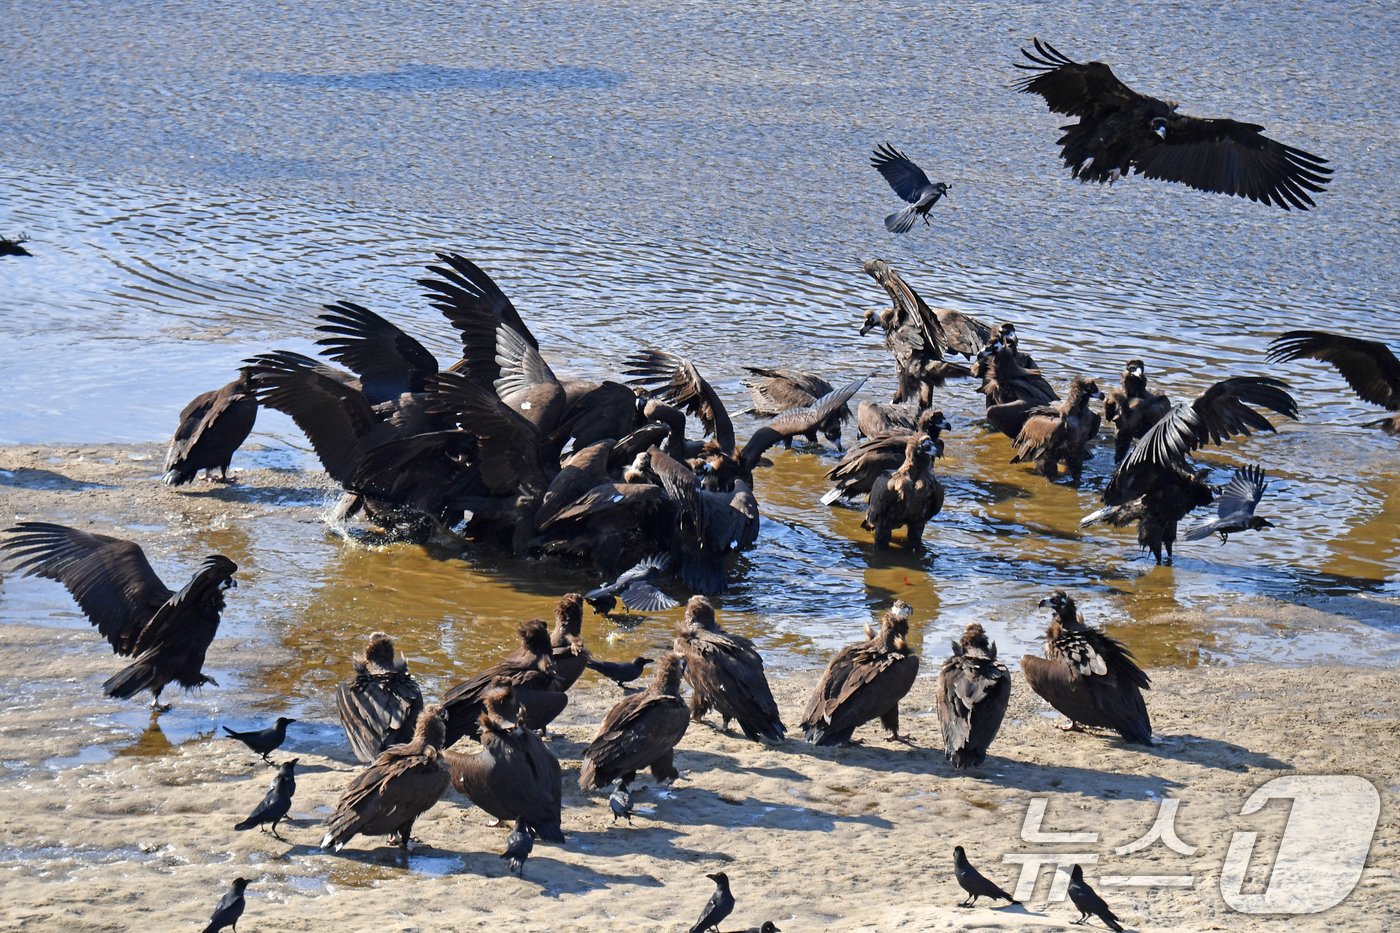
(1230,157)
(1242,494)
(1070,87)
(110,578)
(388,361)
(1368,366)
(463,293)
(906,178)
(676,380)
(334,415)
(1220,412)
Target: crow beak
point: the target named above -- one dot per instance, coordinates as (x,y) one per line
(1044,602)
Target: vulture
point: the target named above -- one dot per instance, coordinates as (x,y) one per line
(1368,366)
(1236,508)
(380,706)
(1011,383)
(910,183)
(908,496)
(1156,486)
(640,731)
(1121,131)
(1089,676)
(166,632)
(858,470)
(1055,433)
(1133,408)
(864,681)
(973,691)
(401,785)
(514,776)
(529,671)
(776,391)
(725,673)
(212,427)
(566,641)
(14,247)
(918,336)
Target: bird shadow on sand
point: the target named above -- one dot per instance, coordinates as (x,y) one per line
(554,877)
(1213,753)
(649,831)
(36,478)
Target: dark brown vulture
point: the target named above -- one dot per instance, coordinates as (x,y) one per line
(777,391)
(514,776)
(973,691)
(566,641)
(401,785)
(528,670)
(908,496)
(1368,366)
(113,583)
(917,336)
(1088,676)
(864,681)
(858,470)
(641,731)
(1133,408)
(380,706)
(1055,433)
(725,673)
(211,428)
(1121,131)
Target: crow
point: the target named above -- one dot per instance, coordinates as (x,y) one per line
(1236,508)
(264,741)
(1087,901)
(229,908)
(277,803)
(910,183)
(973,882)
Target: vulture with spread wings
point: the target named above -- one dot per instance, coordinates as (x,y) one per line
(1368,366)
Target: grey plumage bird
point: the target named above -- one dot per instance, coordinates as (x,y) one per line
(620,801)
(1087,901)
(229,908)
(621,673)
(278,802)
(910,183)
(634,589)
(264,741)
(519,845)
(974,882)
(719,906)
(1236,507)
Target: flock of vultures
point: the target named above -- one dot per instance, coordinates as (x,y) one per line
(496,447)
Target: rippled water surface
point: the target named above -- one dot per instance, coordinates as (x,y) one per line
(198,180)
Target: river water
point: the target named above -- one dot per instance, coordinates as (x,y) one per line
(197,180)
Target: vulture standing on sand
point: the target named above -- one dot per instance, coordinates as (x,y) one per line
(528,670)
(640,731)
(1055,433)
(113,583)
(1236,510)
(1133,408)
(211,428)
(514,776)
(403,783)
(380,706)
(566,641)
(1120,130)
(864,681)
(1368,366)
(973,691)
(1088,676)
(1156,486)
(908,496)
(725,673)
(910,183)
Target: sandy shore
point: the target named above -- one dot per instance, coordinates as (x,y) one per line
(114,825)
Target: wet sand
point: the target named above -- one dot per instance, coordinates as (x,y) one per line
(115,825)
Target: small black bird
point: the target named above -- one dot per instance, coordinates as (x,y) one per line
(1088,902)
(973,882)
(264,741)
(634,589)
(229,908)
(619,672)
(910,183)
(277,803)
(620,801)
(1236,509)
(719,906)
(1120,130)
(519,844)
(10,247)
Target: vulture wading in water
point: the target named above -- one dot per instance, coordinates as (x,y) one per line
(212,427)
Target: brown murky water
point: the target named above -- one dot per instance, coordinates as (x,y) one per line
(694,177)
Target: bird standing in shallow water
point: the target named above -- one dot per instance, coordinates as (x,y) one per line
(1120,130)
(1133,408)
(1088,676)
(974,882)
(910,183)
